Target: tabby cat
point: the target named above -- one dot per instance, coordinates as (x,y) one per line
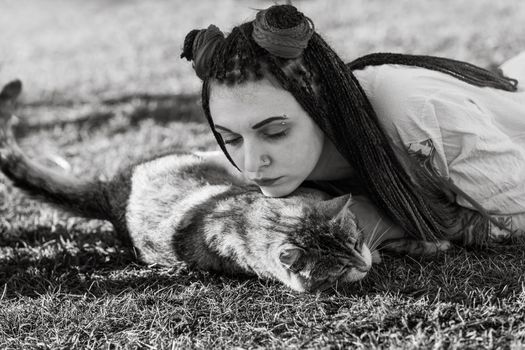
(192,208)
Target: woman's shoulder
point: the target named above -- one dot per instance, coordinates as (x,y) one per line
(398,94)
(400,83)
(403,95)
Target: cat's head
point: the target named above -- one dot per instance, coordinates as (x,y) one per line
(328,249)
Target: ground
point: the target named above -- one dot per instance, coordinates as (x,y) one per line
(104,84)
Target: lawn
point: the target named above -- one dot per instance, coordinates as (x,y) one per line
(104,84)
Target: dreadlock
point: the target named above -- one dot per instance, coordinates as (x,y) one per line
(464,71)
(328,91)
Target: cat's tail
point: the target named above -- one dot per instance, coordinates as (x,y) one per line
(86,198)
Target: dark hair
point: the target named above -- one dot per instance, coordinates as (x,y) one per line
(328,91)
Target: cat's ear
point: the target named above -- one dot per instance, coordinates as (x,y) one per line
(11,91)
(332,207)
(345,216)
(289,256)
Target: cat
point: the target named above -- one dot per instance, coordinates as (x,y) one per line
(191,207)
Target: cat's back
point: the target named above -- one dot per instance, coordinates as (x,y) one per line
(163,192)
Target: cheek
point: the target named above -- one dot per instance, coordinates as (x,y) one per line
(302,149)
(237,156)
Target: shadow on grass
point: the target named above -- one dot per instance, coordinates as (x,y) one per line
(133,109)
(98,266)
(39,262)
(96,274)
(163,109)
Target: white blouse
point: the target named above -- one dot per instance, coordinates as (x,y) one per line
(475,136)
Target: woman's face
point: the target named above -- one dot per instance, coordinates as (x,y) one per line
(267,133)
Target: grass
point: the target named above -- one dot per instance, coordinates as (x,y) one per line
(104,85)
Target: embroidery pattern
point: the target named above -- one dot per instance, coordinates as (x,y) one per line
(422,151)
(472,224)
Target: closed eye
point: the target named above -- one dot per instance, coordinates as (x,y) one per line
(352,245)
(277,135)
(232,141)
(358,245)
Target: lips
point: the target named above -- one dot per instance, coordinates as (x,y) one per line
(266,181)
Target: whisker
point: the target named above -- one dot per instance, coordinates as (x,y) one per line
(378,240)
(371,237)
(388,244)
(374,234)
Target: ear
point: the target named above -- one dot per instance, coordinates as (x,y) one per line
(11,90)
(345,216)
(338,210)
(290,255)
(334,206)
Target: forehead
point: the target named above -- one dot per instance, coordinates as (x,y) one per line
(247,90)
(251,100)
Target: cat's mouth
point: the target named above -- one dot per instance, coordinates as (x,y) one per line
(353,274)
(358,272)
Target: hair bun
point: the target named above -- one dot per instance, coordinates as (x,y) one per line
(200,46)
(283,16)
(187,49)
(282,30)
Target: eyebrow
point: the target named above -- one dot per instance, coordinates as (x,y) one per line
(258,125)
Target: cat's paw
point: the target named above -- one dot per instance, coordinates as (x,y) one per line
(443,246)
(417,247)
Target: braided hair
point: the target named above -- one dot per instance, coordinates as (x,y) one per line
(329,92)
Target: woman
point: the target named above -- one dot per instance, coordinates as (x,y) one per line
(438,145)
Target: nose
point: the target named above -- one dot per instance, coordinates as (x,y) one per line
(253,158)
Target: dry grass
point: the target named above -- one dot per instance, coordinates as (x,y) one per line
(104,85)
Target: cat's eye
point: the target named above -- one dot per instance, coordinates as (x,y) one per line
(358,245)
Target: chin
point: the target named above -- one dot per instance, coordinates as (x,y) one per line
(278,191)
(269,192)
(282,189)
